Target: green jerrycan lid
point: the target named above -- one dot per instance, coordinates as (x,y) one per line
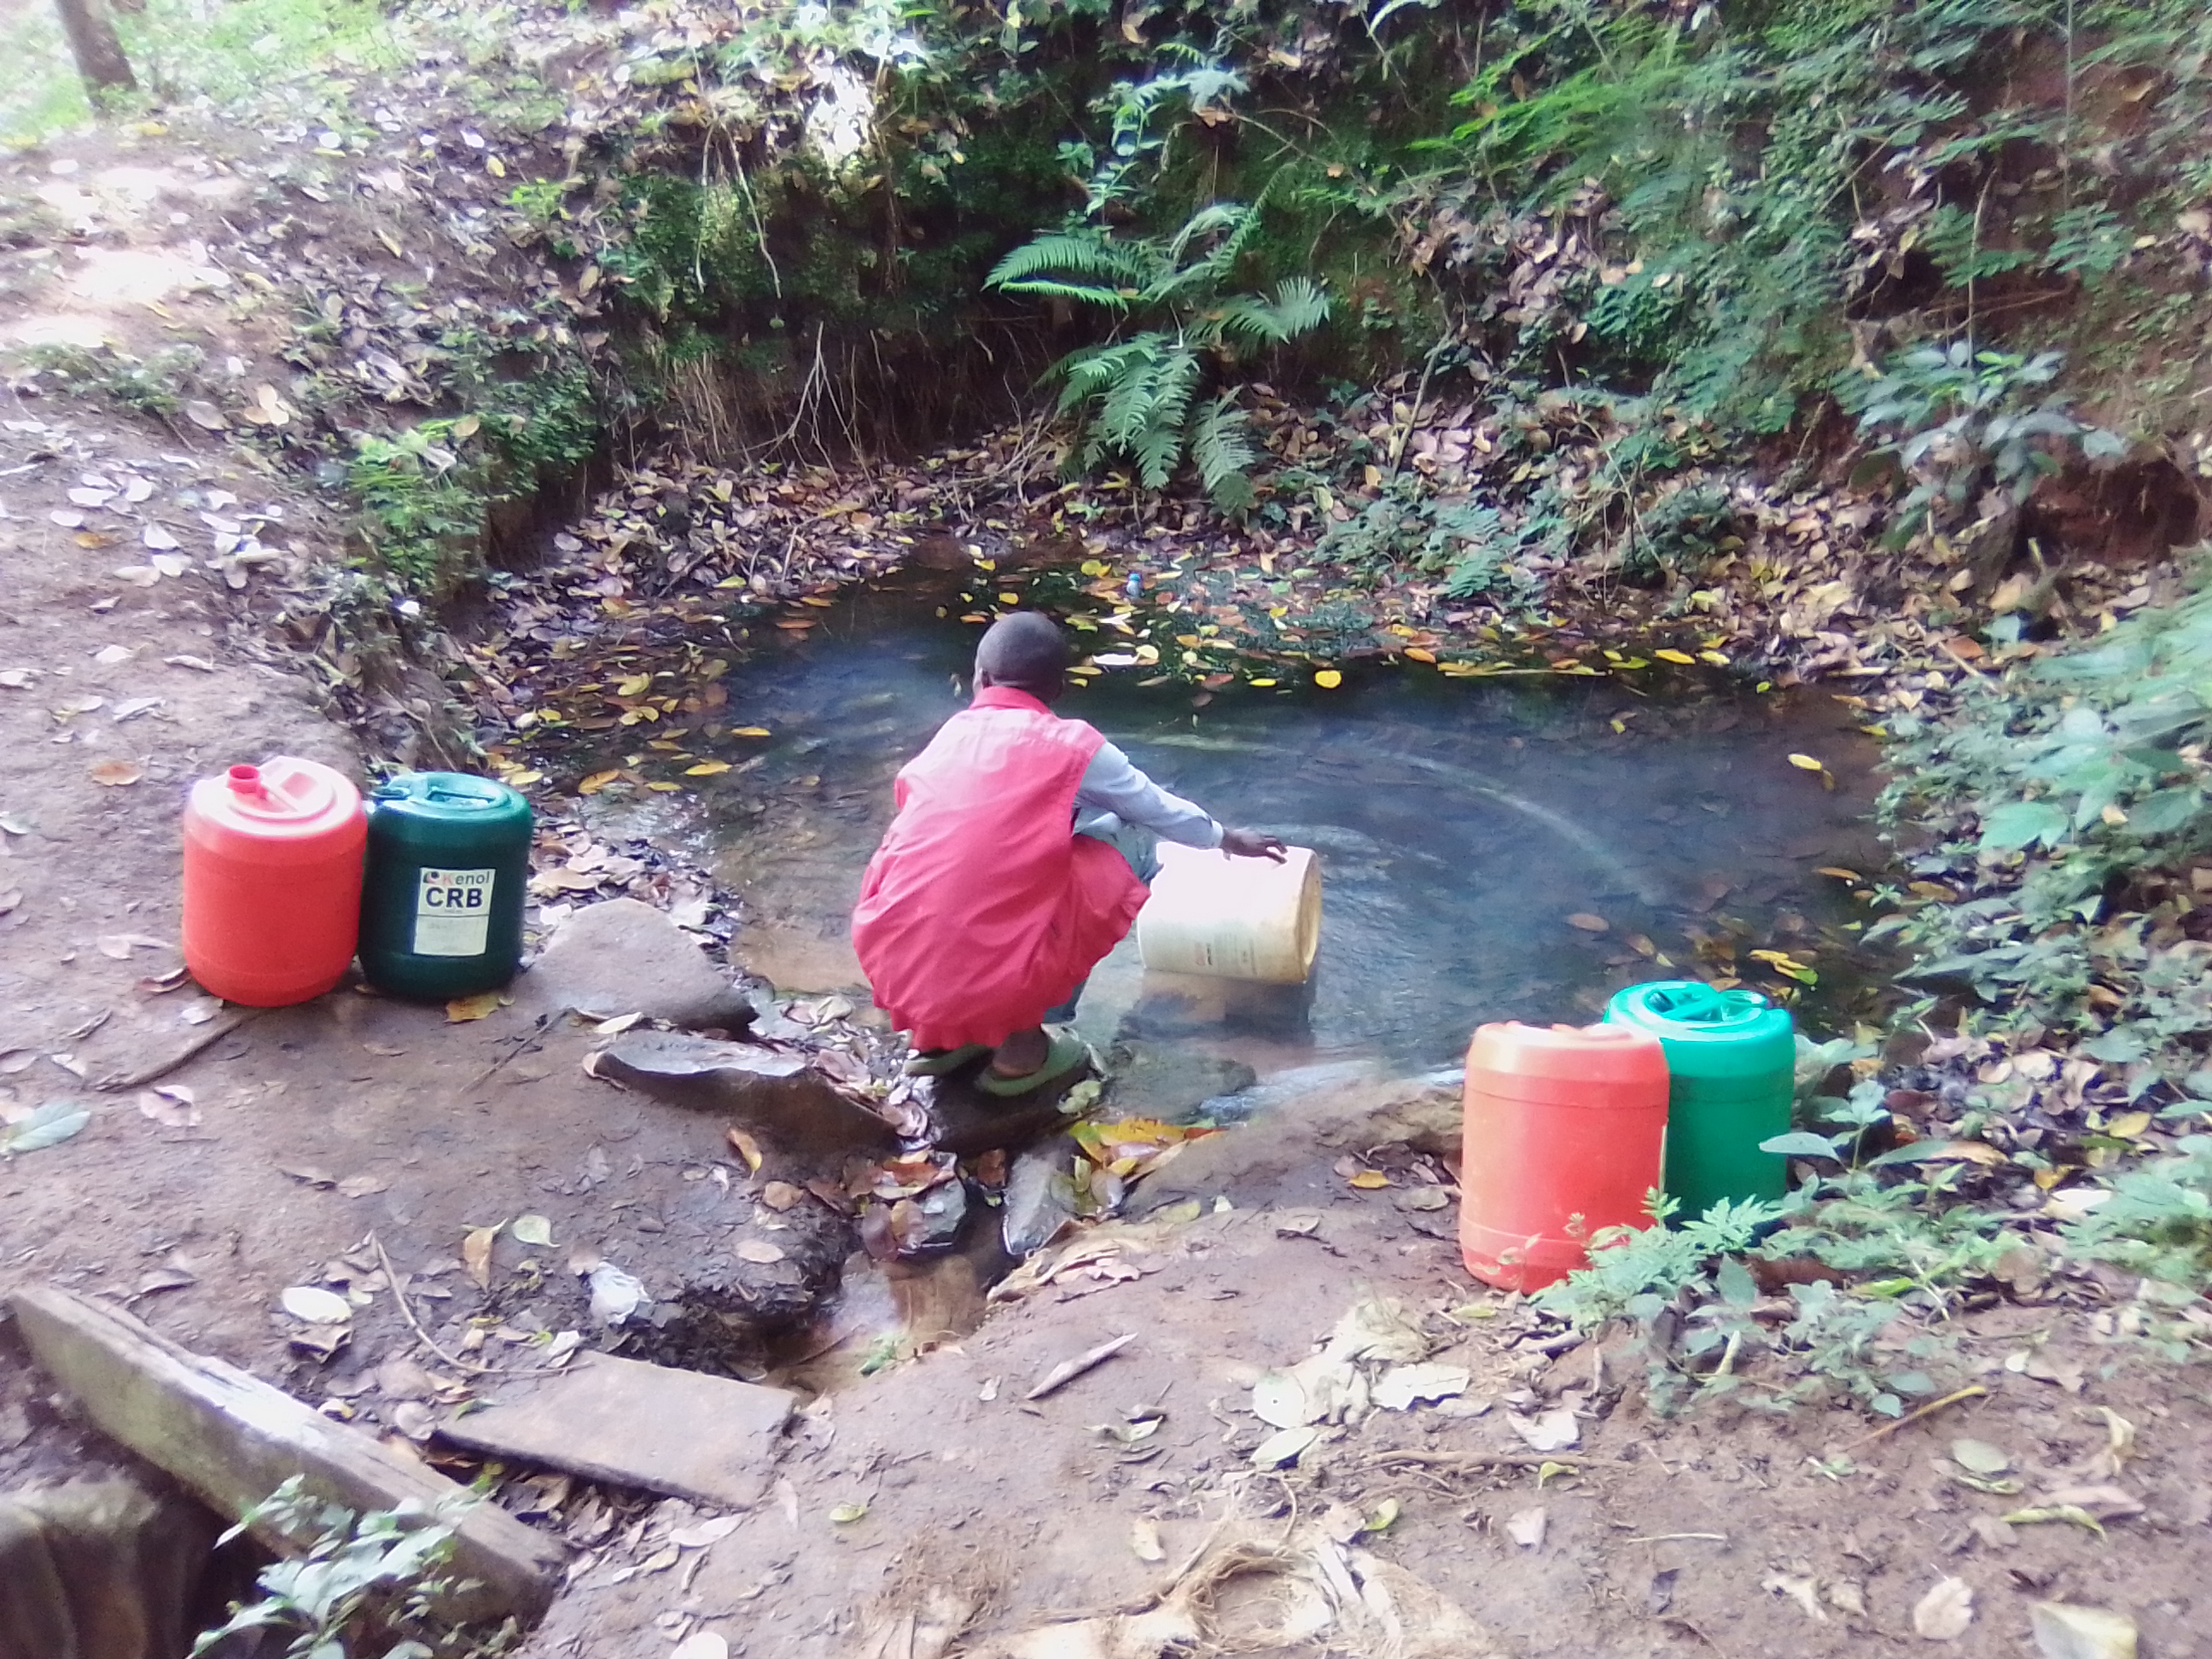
(1711,1031)
(448,795)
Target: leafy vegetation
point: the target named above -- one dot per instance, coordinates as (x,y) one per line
(2064,802)
(1143,398)
(362,1585)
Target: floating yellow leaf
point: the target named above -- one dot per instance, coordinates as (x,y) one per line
(1838,873)
(1010,598)
(1263,683)
(1092,568)
(1368,1179)
(478,1007)
(1714,658)
(707,769)
(2127,1125)
(1587,922)
(1682,657)
(635,685)
(597,781)
(1418,655)
(665,788)
(1328,679)
(749,731)
(1807,763)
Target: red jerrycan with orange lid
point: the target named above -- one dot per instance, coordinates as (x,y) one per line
(272,881)
(1563,1131)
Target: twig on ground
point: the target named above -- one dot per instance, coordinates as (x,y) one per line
(1971,1391)
(391,1277)
(215,1030)
(1068,1369)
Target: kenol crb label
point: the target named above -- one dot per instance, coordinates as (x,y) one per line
(452,912)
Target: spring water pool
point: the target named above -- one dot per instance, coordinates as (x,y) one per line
(1460,822)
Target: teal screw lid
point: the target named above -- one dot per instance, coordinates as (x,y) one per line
(1708,1032)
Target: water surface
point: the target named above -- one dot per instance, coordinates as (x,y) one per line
(1460,823)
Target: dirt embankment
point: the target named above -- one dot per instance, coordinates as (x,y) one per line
(143,569)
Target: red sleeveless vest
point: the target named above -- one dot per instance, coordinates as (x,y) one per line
(982,909)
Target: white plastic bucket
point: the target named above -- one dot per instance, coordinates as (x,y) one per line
(1228,918)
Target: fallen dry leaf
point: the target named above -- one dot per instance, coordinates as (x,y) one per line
(1587,922)
(758,1251)
(115,774)
(476,1007)
(1944,1612)
(476,1252)
(747,1147)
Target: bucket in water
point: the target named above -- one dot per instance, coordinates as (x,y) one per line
(1231,918)
(1731,1060)
(272,881)
(1563,1130)
(442,908)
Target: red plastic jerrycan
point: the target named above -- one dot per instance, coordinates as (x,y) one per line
(272,881)
(1564,1130)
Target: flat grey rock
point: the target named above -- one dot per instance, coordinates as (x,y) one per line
(771,1089)
(709,1439)
(624,957)
(1173,1084)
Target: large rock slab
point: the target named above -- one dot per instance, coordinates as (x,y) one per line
(772,1090)
(1300,1126)
(233,1439)
(682,1433)
(624,957)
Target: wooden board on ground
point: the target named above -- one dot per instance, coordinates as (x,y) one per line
(684,1433)
(233,1439)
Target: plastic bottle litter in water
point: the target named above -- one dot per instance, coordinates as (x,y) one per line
(272,881)
(1563,1130)
(1731,1065)
(448,864)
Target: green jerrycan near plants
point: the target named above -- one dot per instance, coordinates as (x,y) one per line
(441,900)
(1731,1060)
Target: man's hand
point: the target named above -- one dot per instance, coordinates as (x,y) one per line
(1253,844)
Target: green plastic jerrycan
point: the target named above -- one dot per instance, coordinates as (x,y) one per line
(441,900)
(1731,1062)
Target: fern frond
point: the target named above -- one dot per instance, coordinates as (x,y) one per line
(1233,217)
(1130,404)
(1059,255)
(1082,293)
(1223,452)
(1174,384)
(1299,307)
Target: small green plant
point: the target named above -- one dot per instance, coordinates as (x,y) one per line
(1142,398)
(422,501)
(156,385)
(2158,1221)
(1959,421)
(1635,1272)
(361,1581)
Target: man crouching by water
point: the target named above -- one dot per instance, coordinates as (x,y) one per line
(1020,857)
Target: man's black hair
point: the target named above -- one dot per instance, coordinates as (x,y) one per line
(1025,650)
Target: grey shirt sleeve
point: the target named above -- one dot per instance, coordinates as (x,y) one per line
(1111,784)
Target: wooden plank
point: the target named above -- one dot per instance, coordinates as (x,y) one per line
(233,1439)
(711,1439)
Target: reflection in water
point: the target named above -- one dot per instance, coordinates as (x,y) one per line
(1461,824)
